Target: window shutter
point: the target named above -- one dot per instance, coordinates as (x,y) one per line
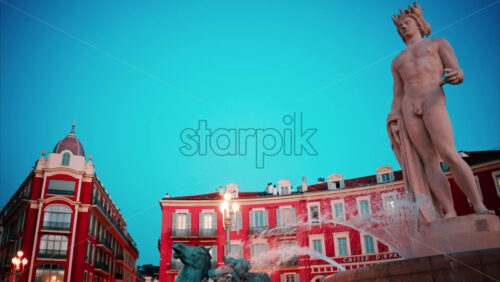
(342,185)
(240,251)
(282,278)
(239,222)
(188,224)
(214,254)
(252,251)
(266,221)
(214,222)
(201,220)
(391,176)
(252,219)
(379,178)
(278,217)
(293,216)
(174,221)
(296,278)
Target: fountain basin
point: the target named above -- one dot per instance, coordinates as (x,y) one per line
(481,265)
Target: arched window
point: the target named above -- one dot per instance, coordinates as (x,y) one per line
(53,246)
(49,272)
(65,159)
(57,217)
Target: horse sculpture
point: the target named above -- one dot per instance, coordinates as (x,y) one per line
(242,268)
(196,260)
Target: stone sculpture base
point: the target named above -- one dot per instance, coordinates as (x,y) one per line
(459,234)
(483,265)
(464,248)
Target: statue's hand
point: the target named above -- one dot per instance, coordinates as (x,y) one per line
(395,132)
(453,76)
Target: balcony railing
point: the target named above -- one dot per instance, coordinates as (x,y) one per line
(194,233)
(12,207)
(281,230)
(55,225)
(47,253)
(105,243)
(113,222)
(102,266)
(60,192)
(208,232)
(257,230)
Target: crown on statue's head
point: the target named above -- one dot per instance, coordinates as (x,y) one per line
(415,12)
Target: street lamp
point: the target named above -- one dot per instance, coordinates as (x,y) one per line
(227,208)
(19,262)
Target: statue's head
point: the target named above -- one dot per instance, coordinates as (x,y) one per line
(197,257)
(411,21)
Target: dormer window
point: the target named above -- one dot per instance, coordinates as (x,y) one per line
(335,181)
(386,177)
(285,187)
(232,189)
(385,174)
(65,159)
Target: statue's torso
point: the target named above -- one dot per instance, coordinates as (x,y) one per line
(421,69)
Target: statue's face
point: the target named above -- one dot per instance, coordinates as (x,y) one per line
(408,27)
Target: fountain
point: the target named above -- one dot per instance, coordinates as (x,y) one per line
(421,136)
(197,263)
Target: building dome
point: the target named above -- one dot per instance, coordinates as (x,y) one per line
(70,142)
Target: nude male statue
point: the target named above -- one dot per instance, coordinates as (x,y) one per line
(419,109)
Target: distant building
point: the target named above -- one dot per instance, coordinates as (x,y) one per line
(149,272)
(66,224)
(287,219)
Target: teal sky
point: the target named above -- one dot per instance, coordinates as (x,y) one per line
(134,74)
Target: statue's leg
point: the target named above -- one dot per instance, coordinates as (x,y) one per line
(436,180)
(439,125)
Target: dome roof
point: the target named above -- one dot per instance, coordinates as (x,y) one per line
(70,142)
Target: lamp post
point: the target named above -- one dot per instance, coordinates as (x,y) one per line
(19,262)
(227,208)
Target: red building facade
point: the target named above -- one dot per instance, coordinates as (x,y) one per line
(284,231)
(65,223)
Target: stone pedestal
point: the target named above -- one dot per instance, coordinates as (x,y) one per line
(464,248)
(459,234)
(473,266)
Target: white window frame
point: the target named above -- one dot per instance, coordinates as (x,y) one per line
(387,195)
(358,202)
(259,241)
(339,201)
(317,237)
(281,208)
(494,174)
(266,224)
(363,247)
(309,216)
(203,213)
(294,274)
(237,243)
(339,235)
(179,222)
